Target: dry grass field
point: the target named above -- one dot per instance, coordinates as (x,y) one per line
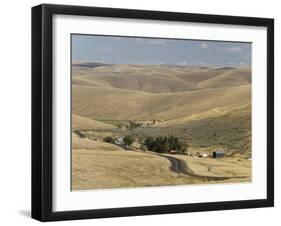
(99,169)
(97,165)
(209,108)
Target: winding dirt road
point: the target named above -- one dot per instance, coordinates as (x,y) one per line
(180,166)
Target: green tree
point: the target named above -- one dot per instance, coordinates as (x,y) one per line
(149,143)
(166,147)
(128,140)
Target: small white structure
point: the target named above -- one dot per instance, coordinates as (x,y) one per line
(119,141)
(205,155)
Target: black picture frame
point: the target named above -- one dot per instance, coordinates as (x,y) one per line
(42,111)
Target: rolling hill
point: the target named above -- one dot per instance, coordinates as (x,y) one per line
(97,103)
(190,101)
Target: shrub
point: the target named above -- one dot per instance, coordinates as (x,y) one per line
(108,139)
(128,140)
(80,134)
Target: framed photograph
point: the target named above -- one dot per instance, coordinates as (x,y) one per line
(145,112)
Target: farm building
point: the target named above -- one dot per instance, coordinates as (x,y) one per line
(119,141)
(205,156)
(173,152)
(218,154)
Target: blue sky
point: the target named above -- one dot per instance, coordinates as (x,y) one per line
(131,50)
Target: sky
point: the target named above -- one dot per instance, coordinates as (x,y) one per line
(182,52)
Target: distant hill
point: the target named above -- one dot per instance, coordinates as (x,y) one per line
(237,77)
(89,64)
(99,102)
(158,78)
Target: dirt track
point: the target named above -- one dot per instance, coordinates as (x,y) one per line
(180,166)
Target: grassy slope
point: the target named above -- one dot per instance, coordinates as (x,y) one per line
(121,169)
(80,122)
(85,143)
(236,77)
(97,103)
(160,78)
(99,165)
(231,131)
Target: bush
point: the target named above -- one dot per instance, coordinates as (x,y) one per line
(80,134)
(149,143)
(128,140)
(108,139)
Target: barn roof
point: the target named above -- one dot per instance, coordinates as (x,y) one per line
(220,152)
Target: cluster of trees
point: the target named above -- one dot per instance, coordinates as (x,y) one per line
(165,144)
(127,140)
(157,144)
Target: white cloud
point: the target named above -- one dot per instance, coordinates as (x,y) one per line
(234,49)
(204,45)
(182,63)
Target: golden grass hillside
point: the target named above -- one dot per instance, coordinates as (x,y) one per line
(165,92)
(99,169)
(83,123)
(98,165)
(236,77)
(85,143)
(97,103)
(159,78)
